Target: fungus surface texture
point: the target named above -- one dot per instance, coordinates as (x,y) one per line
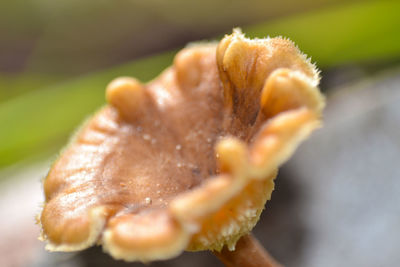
(186,161)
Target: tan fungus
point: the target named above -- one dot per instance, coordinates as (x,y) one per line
(187,161)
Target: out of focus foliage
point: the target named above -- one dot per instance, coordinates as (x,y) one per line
(56,57)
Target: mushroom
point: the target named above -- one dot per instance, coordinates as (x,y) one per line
(186,161)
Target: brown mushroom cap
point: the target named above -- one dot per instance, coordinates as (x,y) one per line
(187,161)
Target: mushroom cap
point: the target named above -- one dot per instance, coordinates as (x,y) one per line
(187,161)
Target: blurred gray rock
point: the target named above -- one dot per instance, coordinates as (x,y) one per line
(349,178)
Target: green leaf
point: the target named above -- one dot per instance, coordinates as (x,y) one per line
(364,31)
(36,121)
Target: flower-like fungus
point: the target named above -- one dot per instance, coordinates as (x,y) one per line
(187,161)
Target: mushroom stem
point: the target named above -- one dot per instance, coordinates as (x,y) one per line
(248,253)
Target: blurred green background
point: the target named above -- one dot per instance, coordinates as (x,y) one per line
(56,58)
